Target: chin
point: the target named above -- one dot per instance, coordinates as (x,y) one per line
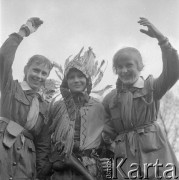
(36,88)
(77,91)
(129,81)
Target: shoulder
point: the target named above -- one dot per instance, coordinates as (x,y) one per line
(95,103)
(148,82)
(56,103)
(110,96)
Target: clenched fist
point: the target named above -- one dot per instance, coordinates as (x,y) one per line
(31,25)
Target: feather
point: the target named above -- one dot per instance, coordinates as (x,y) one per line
(59,75)
(100,67)
(59,67)
(89,60)
(98,80)
(94,69)
(67,61)
(77,57)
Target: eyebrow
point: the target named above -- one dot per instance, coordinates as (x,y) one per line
(38,69)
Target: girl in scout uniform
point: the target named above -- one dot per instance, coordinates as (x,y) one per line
(23,123)
(138,142)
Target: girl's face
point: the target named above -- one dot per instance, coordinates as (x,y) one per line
(76,81)
(127,70)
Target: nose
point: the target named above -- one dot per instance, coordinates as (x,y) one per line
(39,75)
(124,70)
(76,79)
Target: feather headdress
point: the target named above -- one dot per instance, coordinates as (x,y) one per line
(88,66)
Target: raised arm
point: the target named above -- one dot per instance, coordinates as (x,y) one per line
(8,50)
(170,72)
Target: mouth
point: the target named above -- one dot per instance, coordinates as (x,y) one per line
(77,87)
(126,76)
(36,81)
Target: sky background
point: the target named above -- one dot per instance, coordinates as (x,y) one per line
(104,25)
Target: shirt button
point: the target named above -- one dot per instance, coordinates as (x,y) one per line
(14,163)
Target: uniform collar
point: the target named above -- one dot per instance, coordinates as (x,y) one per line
(139,83)
(25,86)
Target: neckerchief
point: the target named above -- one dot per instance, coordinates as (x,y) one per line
(125,100)
(33,113)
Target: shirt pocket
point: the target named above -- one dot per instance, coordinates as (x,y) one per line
(149,141)
(114,111)
(21,98)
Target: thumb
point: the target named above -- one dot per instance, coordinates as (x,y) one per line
(144,31)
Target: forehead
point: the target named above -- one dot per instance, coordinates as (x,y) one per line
(42,67)
(126,60)
(75,72)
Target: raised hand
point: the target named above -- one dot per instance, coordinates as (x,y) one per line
(34,23)
(152,30)
(31,26)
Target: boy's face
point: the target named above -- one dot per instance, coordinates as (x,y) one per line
(76,81)
(127,70)
(36,75)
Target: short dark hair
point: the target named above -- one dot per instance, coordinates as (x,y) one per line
(38,59)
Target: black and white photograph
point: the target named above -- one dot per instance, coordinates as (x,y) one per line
(89,89)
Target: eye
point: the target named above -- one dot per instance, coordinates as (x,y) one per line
(119,67)
(129,65)
(36,70)
(81,76)
(44,73)
(70,77)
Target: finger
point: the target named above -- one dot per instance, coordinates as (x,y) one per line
(144,31)
(143,19)
(36,22)
(144,23)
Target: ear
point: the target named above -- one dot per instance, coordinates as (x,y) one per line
(25,71)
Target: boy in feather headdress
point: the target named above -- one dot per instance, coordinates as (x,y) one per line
(77,121)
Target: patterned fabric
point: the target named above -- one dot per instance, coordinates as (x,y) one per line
(80,99)
(92,121)
(77,65)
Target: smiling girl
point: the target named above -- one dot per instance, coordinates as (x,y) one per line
(133,106)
